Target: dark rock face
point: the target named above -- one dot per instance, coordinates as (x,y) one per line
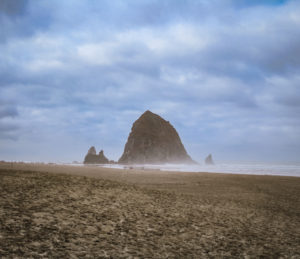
(153,140)
(92,151)
(209,160)
(92,157)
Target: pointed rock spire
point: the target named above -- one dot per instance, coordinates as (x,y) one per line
(209,160)
(92,151)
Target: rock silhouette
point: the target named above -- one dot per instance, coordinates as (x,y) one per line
(209,160)
(92,157)
(153,140)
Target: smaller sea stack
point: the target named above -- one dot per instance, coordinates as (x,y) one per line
(92,157)
(209,160)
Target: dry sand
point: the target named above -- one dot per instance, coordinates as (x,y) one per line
(55,211)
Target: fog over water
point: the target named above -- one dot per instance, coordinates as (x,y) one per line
(232,168)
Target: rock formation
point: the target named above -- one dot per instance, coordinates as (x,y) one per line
(153,140)
(209,160)
(92,157)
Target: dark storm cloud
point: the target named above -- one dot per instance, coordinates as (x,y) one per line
(246,3)
(8,126)
(8,112)
(220,73)
(22,19)
(13,7)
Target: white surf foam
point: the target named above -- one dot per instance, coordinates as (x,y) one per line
(232,168)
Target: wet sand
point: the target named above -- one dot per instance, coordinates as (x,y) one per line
(65,211)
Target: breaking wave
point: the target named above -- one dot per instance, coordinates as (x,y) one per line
(231,168)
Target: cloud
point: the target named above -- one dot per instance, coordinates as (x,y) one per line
(227,79)
(13,7)
(8,126)
(245,3)
(8,111)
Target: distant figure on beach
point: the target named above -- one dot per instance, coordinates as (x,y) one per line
(209,160)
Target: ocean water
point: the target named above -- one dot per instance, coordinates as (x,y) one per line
(232,168)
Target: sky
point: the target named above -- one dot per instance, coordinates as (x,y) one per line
(225,73)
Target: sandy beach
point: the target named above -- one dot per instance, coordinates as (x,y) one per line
(77,212)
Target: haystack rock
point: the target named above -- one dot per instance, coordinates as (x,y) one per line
(153,140)
(209,160)
(92,157)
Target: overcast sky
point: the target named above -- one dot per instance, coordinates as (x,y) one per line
(225,73)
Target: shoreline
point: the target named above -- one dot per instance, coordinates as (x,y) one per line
(184,182)
(144,169)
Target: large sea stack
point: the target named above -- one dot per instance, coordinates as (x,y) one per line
(153,140)
(92,157)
